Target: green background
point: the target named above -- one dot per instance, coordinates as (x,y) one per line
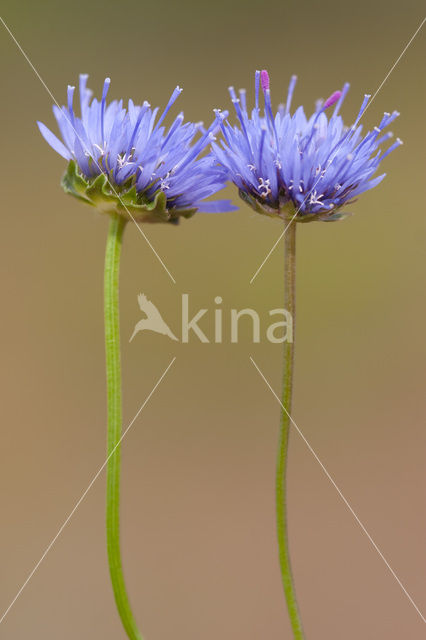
(198,465)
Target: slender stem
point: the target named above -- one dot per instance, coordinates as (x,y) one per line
(281,472)
(113,368)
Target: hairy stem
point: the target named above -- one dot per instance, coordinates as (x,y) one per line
(113,369)
(281,471)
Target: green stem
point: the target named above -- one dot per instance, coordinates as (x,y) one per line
(113,368)
(281,472)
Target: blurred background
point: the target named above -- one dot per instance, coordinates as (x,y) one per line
(198,524)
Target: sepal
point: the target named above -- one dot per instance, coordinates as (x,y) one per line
(288,210)
(124,199)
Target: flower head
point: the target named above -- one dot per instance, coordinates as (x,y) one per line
(284,163)
(126,161)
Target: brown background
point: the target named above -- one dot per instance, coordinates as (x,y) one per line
(198,507)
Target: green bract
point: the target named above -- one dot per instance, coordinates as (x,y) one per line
(124,199)
(287,211)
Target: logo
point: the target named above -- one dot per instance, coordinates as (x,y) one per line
(276,332)
(153,321)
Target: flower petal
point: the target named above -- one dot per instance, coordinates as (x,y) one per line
(54,142)
(216,206)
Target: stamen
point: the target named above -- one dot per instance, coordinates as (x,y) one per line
(220,117)
(318,106)
(83,77)
(269,115)
(241,119)
(315,198)
(232,93)
(84,93)
(398,142)
(264,79)
(388,118)
(242,93)
(164,182)
(176,93)
(105,89)
(256,82)
(104,95)
(70,96)
(361,111)
(142,111)
(198,146)
(384,138)
(350,131)
(291,86)
(262,142)
(264,188)
(340,100)
(332,99)
(177,123)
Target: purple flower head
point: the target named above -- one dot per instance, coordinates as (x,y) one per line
(287,163)
(126,159)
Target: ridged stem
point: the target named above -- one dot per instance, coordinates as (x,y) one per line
(113,370)
(281,471)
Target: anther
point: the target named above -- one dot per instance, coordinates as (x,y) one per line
(332,99)
(264,79)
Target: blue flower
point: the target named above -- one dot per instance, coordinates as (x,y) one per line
(126,161)
(286,163)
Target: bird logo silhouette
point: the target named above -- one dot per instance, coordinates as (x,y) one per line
(153,321)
